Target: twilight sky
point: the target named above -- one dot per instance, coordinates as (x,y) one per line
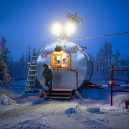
(27,22)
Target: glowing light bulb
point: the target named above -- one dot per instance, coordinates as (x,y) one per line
(69,28)
(57,29)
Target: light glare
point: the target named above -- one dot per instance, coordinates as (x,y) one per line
(57,29)
(69,28)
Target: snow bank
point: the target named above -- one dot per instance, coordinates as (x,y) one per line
(10,93)
(5,100)
(119,99)
(96,95)
(7,97)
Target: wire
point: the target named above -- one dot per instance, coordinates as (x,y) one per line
(101,36)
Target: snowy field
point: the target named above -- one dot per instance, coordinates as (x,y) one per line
(93,111)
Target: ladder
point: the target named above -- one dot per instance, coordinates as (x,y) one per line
(31,77)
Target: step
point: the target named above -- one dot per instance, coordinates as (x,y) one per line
(57,97)
(60,94)
(30,85)
(62,90)
(31,74)
(30,80)
(33,70)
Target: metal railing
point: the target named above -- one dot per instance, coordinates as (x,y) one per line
(112,80)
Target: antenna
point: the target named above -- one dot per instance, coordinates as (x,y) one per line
(74,17)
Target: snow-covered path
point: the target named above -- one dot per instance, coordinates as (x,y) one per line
(44,116)
(19,111)
(53,115)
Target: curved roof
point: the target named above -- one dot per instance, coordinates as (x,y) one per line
(66,46)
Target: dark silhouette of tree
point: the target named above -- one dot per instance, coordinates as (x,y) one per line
(103,60)
(19,68)
(2,68)
(4,71)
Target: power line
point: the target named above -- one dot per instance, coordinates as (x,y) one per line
(101,36)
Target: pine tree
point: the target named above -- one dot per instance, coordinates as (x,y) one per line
(4,72)
(103,61)
(2,68)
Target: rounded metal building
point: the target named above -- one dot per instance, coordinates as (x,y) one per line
(70,64)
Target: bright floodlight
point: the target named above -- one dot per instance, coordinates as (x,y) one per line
(57,29)
(69,28)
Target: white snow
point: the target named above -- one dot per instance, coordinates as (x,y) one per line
(92,111)
(119,99)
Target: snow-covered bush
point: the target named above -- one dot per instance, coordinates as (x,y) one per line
(5,100)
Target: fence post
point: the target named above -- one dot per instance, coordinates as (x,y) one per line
(111,79)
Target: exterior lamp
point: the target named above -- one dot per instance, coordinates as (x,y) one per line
(69,29)
(63,31)
(57,29)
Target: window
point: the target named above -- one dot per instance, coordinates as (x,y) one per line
(60,60)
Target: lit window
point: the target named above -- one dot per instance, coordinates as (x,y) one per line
(60,60)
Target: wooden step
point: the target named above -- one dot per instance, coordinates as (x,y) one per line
(62,90)
(57,97)
(60,94)
(55,89)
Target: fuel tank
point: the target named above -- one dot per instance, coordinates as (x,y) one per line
(65,76)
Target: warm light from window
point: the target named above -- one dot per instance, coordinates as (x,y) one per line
(58,58)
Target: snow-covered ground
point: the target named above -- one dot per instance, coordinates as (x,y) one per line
(93,111)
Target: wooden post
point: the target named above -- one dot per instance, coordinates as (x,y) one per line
(111,96)
(111,73)
(111,87)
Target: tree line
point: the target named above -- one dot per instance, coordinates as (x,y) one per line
(11,69)
(104,58)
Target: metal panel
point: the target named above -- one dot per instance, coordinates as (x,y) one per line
(64,79)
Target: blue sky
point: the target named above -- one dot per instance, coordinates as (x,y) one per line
(27,22)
